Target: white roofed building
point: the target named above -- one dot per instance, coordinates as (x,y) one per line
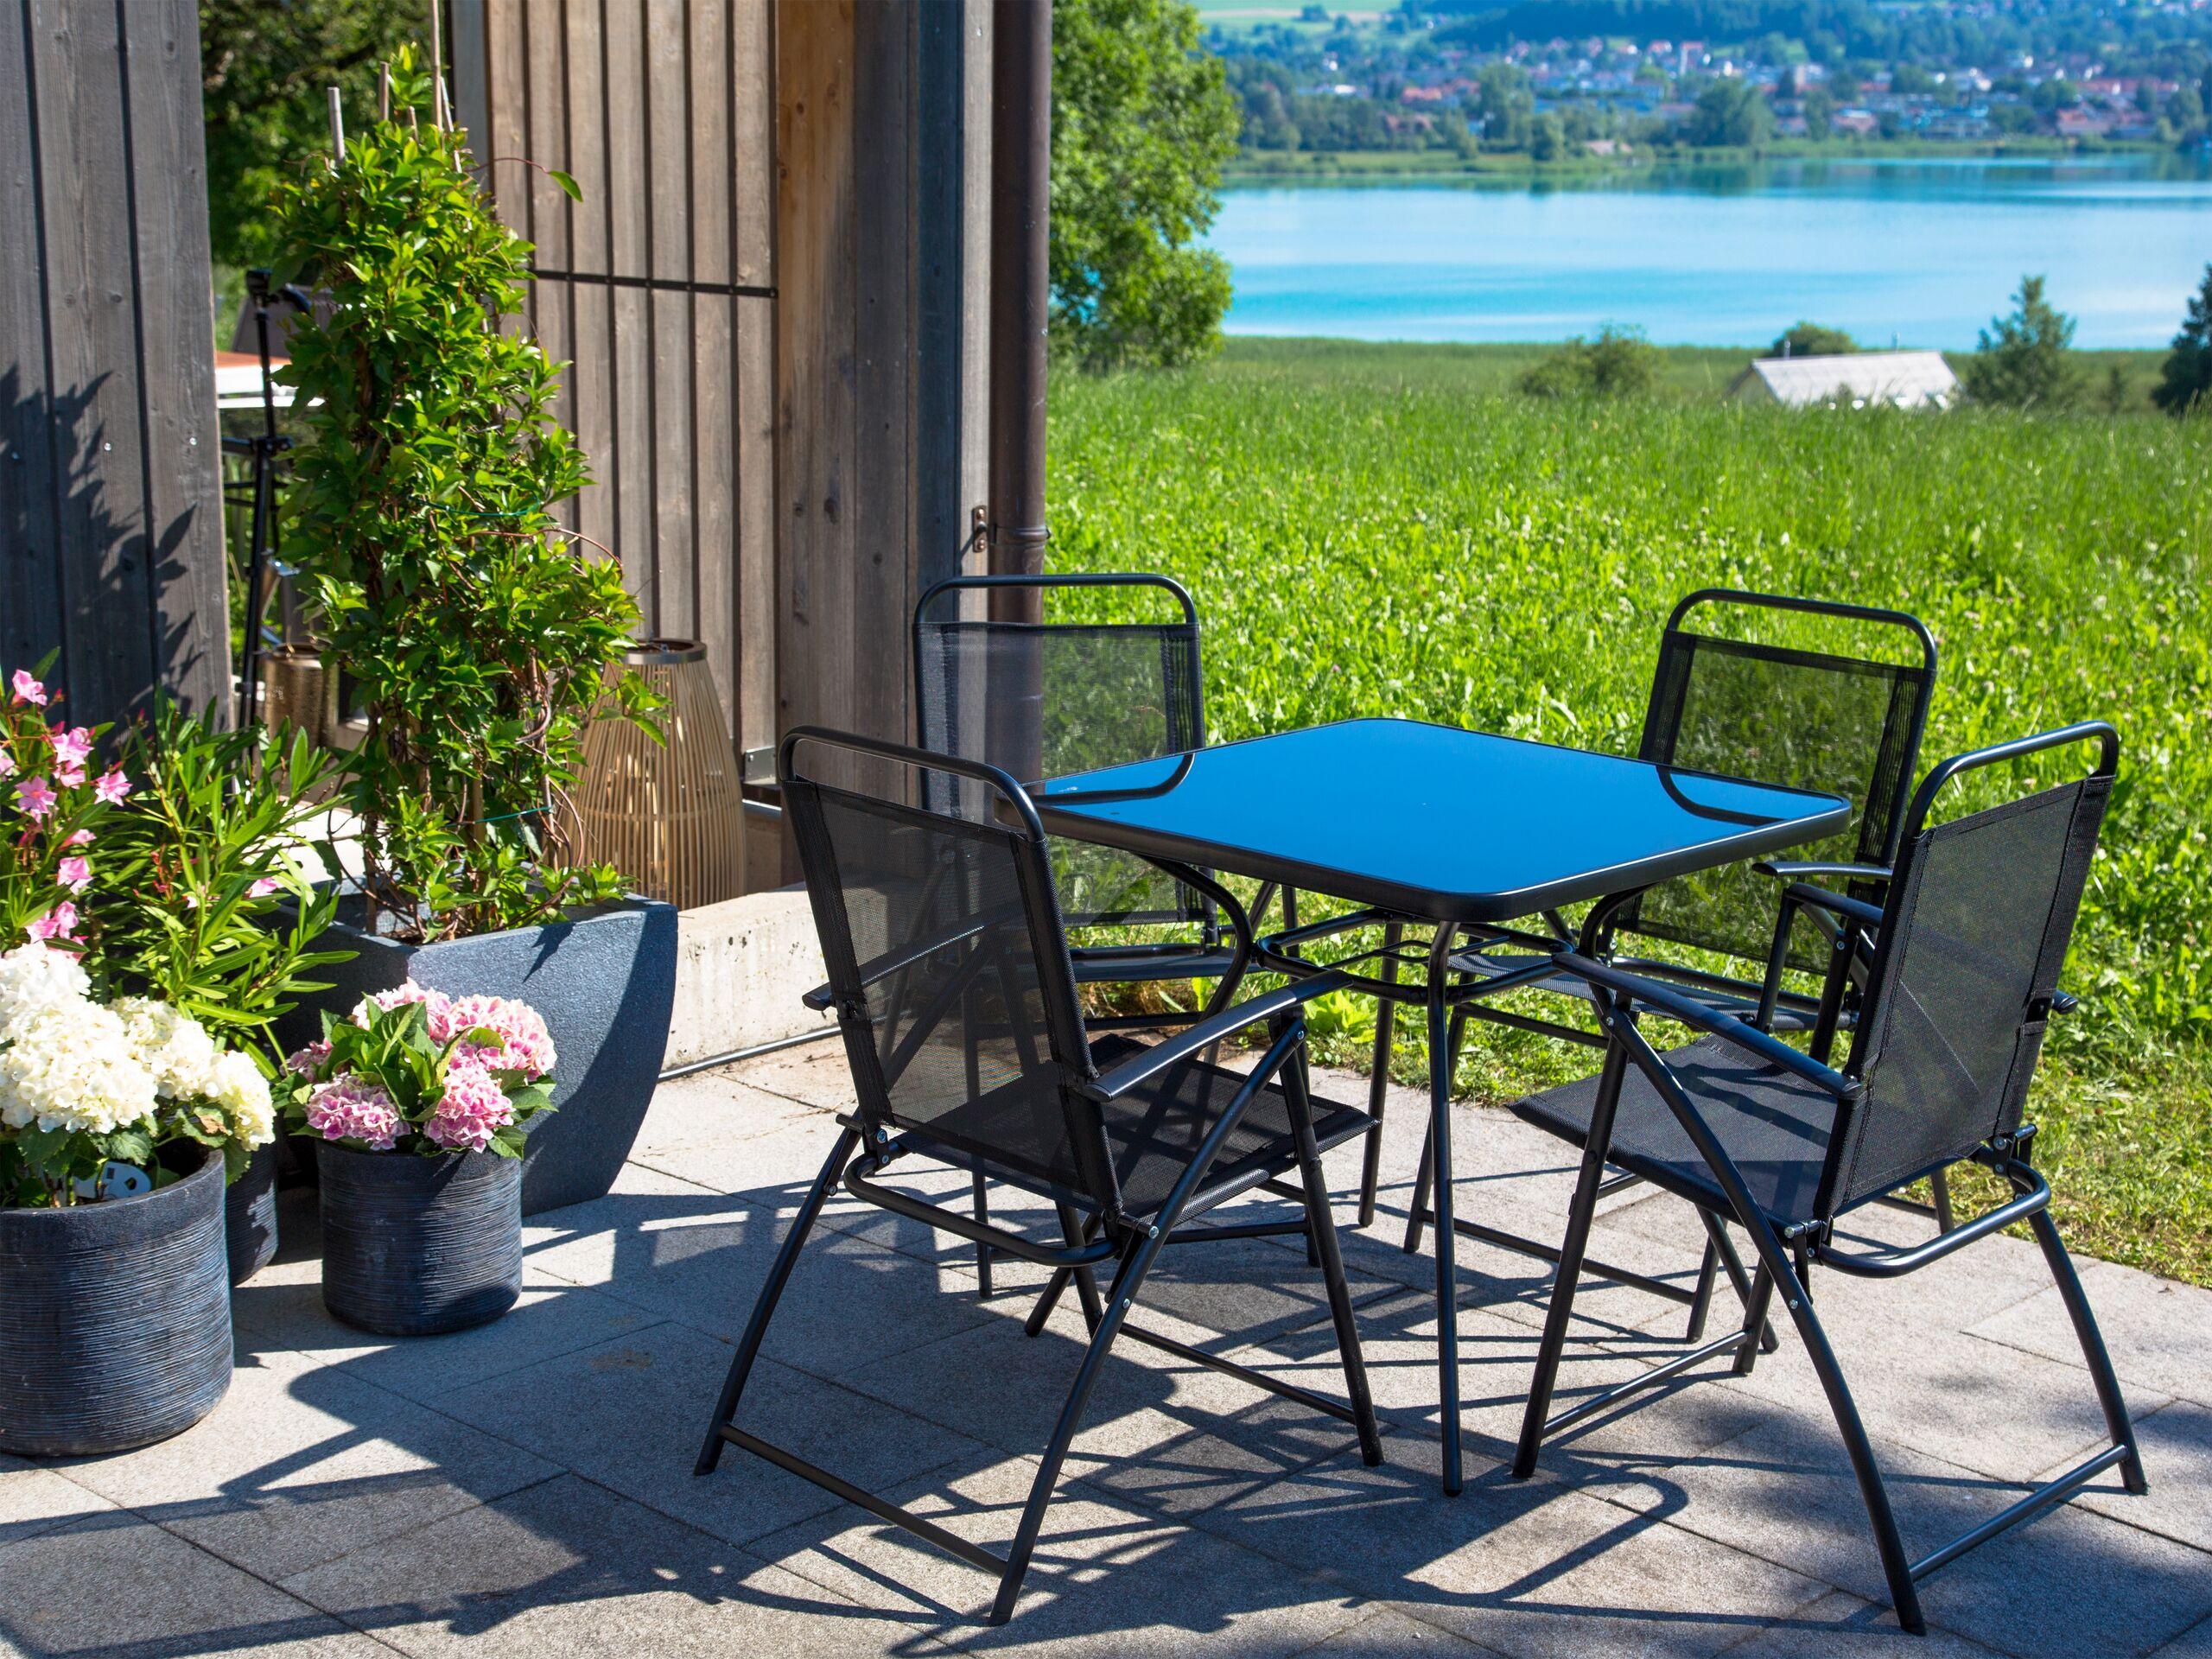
(1903,380)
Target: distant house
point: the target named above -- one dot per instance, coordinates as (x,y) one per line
(1904,380)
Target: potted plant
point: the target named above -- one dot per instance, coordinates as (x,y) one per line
(123,1109)
(423,1103)
(479,631)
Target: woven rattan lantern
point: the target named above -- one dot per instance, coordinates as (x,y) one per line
(670,815)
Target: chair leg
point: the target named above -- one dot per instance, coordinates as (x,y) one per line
(1425,1177)
(1708,1269)
(1939,1188)
(1580,1215)
(1086,1285)
(983,1208)
(1378,1085)
(1136,1262)
(1741,1282)
(771,1291)
(1321,1235)
(2117,1421)
(1755,1311)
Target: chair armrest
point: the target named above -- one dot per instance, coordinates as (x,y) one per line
(1140,1069)
(1787,869)
(1691,1011)
(1858,909)
(2064,1002)
(821,999)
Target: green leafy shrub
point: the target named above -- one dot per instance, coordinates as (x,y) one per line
(2186,379)
(2026,359)
(1619,363)
(479,632)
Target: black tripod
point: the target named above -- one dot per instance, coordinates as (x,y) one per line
(263,449)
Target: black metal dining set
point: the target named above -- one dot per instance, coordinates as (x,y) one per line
(1814,977)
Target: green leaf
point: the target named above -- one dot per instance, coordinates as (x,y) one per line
(567,183)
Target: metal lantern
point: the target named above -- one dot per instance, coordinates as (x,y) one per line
(668,815)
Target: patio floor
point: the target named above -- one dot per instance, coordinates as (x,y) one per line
(527,1488)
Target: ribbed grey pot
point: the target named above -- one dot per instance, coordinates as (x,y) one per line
(249,1214)
(412,1246)
(115,1319)
(605,984)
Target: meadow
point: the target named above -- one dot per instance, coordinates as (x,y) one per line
(1392,530)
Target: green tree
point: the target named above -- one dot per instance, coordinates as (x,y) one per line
(1509,108)
(2186,383)
(1143,122)
(1619,363)
(1730,114)
(2026,359)
(262,70)
(1811,339)
(1547,142)
(1820,111)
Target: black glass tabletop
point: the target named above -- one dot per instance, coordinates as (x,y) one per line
(1432,821)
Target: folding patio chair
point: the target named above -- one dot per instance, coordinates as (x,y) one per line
(1964,962)
(957,1000)
(1045,699)
(1835,719)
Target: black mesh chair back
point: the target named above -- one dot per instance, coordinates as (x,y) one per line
(1045,699)
(1818,720)
(1973,937)
(951,971)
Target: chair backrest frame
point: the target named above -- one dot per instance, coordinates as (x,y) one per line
(1895,750)
(1064,1059)
(1987,1109)
(1155,899)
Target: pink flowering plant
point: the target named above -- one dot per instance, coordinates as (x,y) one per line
(415,1071)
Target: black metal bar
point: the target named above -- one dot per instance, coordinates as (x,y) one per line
(1447,1237)
(738,1055)
(2043,1498)
(1890,1264)
(660,284)
(1378,1086)
(1651,1379)
(883,1509)
(1167,1344)
(2117,1422)
(1237,1230)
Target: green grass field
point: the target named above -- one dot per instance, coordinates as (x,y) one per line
(1391,529)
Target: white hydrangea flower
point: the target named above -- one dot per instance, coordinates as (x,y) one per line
(71,1066)
(36,979)
(172,1045)
(235,1084)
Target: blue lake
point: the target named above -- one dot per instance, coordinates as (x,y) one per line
(1924,252)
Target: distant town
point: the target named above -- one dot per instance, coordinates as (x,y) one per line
(1556,80)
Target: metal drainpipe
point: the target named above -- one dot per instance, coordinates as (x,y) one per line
(1022,173)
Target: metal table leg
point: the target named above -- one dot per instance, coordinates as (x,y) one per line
(1447,1238)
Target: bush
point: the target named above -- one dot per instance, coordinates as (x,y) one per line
(2185,382)
(1619,363)
(1812,340)
(422,513)
(2025,359)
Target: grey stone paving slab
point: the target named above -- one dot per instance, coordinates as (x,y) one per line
(302,1463)
(116,1584)
(570,1569)
(812,1074)
(1841,1626)
(35,1499)
(2159,1331)
(2176,1443)
(1979,1404)
(1386,1634)
(631,1414)
(2071,1582)
(1106,1579)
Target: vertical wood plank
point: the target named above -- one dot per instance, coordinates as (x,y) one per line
(668,170)
(187,570)
(98,468)
(885,32)
(814,332)
(552,308)
(755,724)
(715,481)
(591,380)
(630,254)
(31,621)
(507,140)
(752,138)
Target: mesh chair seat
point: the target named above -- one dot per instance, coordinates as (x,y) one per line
(1775,1125)
(1153,1133)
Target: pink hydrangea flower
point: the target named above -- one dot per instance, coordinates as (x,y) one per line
(525,1045)
(399,996)
(59,923)
(347,1109)
(28,690)
(306,1062)
(70,748)
(113,786)
(74,873)
(472,1109)
(35,797)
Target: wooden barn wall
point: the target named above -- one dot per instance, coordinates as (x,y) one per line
(657,287)
(110,496)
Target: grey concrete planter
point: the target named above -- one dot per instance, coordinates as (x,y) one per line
(604,981)
(413,1246)
(249,1214)
(115,1319)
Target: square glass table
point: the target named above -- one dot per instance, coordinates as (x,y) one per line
(1459,828)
